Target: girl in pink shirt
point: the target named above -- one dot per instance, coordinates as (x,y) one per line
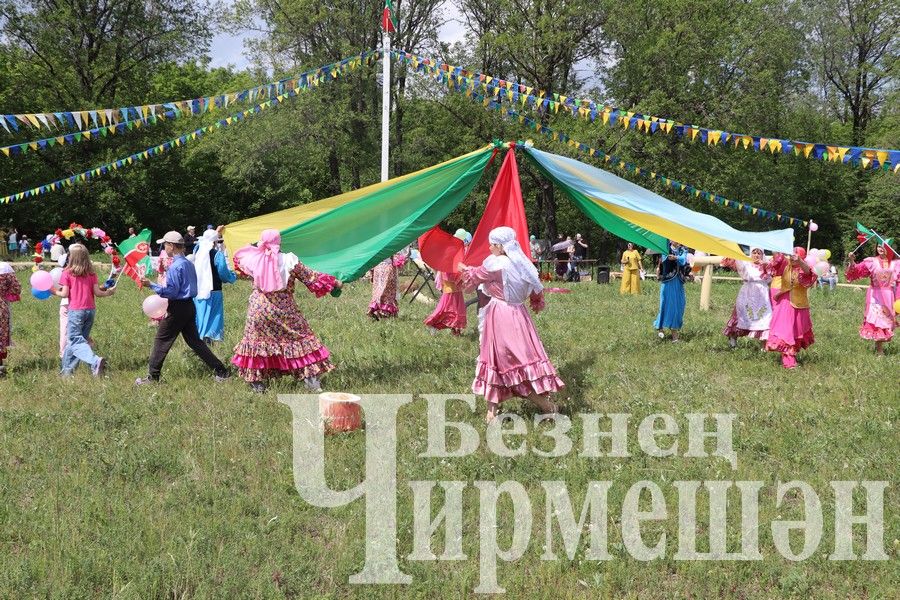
(79,284)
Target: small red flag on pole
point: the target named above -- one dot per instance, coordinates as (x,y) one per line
(388,21)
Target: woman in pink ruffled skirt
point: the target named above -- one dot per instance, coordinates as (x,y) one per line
(791,328)
(512,360)
(883,272)
(450,312)
(277,339)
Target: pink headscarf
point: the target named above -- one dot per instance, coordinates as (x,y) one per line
(261,261)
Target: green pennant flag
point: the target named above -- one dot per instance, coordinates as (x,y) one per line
(136,252)
(864,230)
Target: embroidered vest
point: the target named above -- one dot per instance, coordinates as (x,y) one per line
(799,297)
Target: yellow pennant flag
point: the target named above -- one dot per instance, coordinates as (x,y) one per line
(774,146)
(713,137)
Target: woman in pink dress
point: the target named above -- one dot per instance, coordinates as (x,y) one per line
(883,271)
(791,327)
(384,287)
(277,339)
(512,360)
(752,311)
(450,312)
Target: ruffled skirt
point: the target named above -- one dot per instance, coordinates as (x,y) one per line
(278,341)
(450,312)
(512,360)
(791,329)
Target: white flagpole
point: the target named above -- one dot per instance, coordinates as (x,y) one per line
(385,103)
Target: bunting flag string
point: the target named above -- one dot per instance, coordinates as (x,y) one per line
(319,76)
(517,94)
(631,168)
(116,120)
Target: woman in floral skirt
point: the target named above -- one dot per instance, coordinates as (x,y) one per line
(385,277)
(277,339)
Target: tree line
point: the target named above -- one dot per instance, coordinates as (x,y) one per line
(821,71)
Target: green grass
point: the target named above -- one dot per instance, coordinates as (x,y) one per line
(186,489)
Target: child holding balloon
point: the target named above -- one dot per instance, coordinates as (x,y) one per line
(9,293)
(79,284)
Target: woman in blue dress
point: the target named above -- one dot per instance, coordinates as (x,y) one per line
(212,272)
(671,275)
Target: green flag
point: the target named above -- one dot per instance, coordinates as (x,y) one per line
(365,226)
(136,252)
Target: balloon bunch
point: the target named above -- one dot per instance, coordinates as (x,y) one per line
(818,261)
(41,282)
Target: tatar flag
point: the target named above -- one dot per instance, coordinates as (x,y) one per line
(388,20)
(136,251)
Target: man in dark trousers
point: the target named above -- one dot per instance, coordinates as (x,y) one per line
(181,316)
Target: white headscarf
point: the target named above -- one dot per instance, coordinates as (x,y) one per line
(5,268)
(203,264)
(520,278)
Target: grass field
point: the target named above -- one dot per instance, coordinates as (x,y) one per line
(186,489)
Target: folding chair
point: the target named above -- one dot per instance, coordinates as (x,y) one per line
(427,275)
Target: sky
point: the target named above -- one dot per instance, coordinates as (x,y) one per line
(228,49)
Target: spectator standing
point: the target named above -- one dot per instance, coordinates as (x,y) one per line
(190,240)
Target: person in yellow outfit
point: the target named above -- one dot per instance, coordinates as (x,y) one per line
(631,268)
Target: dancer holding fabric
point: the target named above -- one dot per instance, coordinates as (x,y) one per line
(450,312)
(752,313)
(277,338)
(672,301)
(791,326)
(212,272)
(512,360)
(883,271)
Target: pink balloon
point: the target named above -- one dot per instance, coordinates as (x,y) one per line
(813,226)
(811,260)
(690,258)
(821,268)
(155,307)
(41,281)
